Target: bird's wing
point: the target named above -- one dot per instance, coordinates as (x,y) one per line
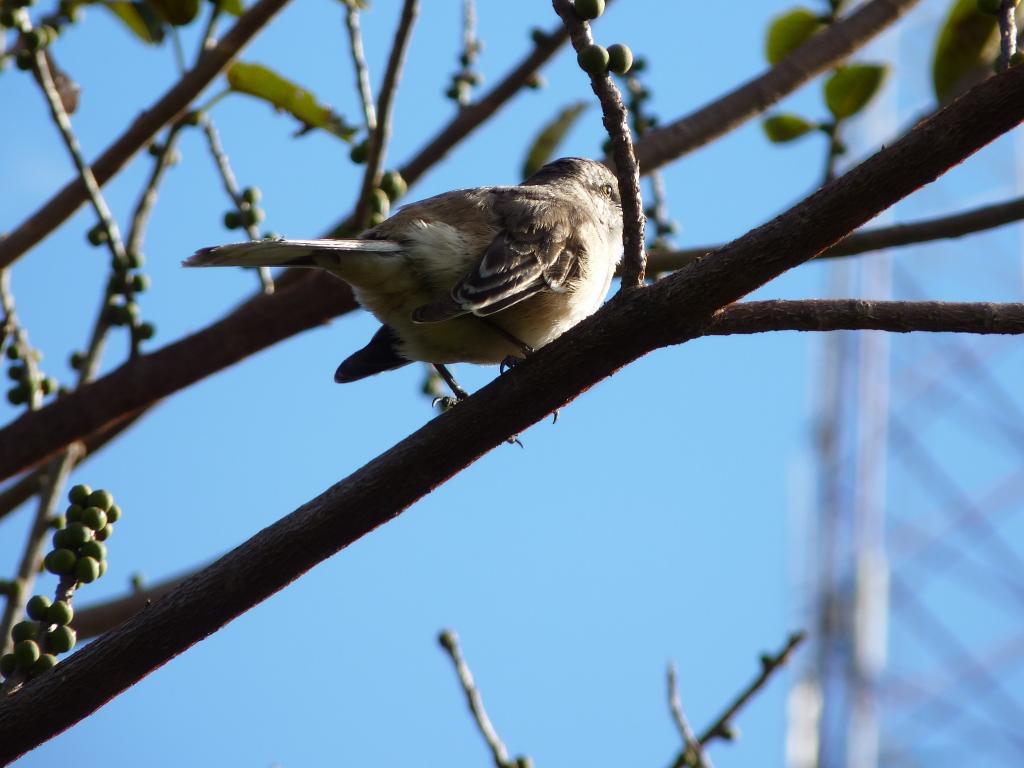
(522,260)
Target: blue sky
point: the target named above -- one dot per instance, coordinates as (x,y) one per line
(653,522)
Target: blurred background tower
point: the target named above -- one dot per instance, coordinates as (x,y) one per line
(909,555)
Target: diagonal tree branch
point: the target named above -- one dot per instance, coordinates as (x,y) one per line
(821,52)
(634,323)
(878,238)
(64,203)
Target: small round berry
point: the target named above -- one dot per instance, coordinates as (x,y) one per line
(1017,58)
(8,663)
(24,630)
(360,152)
(535,82)
(105,532)
(7,18)
(589,9)
(379,202)
(145,331)
(17,395)
(60,561)
(97,235)
(13,353)
(26,653)
(94,549)
(74,513)
(155,149)
(377,218)
(94,518)
(394,185)
(113,514)
(36,607)
(58,521)
(24,59)
(103,568)
(49,385)
(251,195)
(76,360)
(79,494)
(60,539)
(593,59)
(36,39)
(44,663)
(232,220)
(60,613)
(252,216)
(87,569)
(17,372)
(620,58)
(102,499)
(136,259)
(140,283)
(75,535)
(62,639)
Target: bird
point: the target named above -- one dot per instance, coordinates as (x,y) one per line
(484,275)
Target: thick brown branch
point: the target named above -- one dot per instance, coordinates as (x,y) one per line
(878,238)
(858,314)
(616,123)
(304,301)
(822,51)
(62,205)
(634,323)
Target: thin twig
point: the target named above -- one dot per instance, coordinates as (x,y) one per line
(174,101)
(227,176)
(146,201)
(879,238)
(466,77)
(769,665)
(450,642)
(13,334)
(693,753)
(208,39)
(355,39)
(378,139)
(616,122)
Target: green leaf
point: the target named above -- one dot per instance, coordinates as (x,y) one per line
(788,31)
(782,128)
(850,88)
(140,18)
(177,12)
(550,137)
(234,7)
(263,83)
(963,51)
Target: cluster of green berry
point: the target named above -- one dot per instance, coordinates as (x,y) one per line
(79,556)
(42,35)
(596,59)
(78,549)
(392,187)
(248,213)
(26,380)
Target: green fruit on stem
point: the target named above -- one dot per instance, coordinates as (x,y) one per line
(87,569)
(620,58)
(593,59)
(100,498)
(24,630)
(37,606)
(93,549)
(44,663)
(94,518)
(75,535)
(105,532)
(114,513)
(60,613)
(8,663)
(589,9)
(360,152)
(61,640)
(79,494)
(26,653)
(60,561)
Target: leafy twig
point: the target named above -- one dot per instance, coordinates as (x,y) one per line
(378,138)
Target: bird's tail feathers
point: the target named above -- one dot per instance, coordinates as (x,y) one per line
(283,253)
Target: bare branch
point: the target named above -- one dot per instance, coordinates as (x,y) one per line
(355,39)
(379,138)
(450,642)
(632,324)
(878,238)
(822,51)
(64,203)
(693,751)
(859,314)
(616,122)
(1007,16)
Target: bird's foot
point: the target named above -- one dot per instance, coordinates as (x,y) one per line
(445,402)
(509,363)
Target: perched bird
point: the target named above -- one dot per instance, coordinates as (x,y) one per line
(482,275)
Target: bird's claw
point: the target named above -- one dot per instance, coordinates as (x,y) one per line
(509,363)
(444,402)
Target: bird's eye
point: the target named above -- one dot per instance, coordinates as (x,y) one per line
(608,190)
